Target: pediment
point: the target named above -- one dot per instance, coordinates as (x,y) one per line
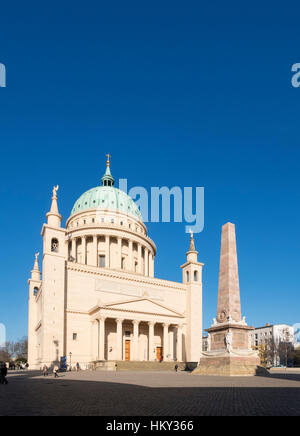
(143,305)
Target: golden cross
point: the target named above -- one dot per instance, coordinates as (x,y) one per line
(108,157)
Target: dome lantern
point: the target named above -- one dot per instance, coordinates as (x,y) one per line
(107,179)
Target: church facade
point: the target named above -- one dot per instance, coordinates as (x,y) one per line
(96,297)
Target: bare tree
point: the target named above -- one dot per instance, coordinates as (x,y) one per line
(4,356)
(20,349)
(285,346)
(14,350)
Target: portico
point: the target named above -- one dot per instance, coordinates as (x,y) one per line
(136,337)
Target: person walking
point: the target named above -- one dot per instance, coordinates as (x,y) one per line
(3,374)
(55,370)
(77,367)
(176,367)
(45,370)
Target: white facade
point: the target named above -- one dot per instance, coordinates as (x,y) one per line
(98,298)
(272,336)
(276,332)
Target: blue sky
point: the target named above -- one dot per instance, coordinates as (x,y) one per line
(180,94)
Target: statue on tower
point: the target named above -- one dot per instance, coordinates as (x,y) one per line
(192,241)
(54,192)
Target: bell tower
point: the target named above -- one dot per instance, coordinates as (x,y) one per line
(54,273)
(192,278)
(34,288)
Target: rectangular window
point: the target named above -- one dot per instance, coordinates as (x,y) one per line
(102,261)
(74,336)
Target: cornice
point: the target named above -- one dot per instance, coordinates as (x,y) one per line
(57,229)
(89,212)
(130,277)
(192,263)
(77,312)
(105,310)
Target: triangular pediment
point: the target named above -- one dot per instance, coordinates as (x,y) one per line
(143,305)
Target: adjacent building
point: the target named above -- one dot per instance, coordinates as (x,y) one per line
(274,332)
(274,343)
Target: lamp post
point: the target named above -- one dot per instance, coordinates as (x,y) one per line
(70,354)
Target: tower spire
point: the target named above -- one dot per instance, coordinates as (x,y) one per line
(107,179)
(54,218)
(35,272)
(192,254)
(54,207)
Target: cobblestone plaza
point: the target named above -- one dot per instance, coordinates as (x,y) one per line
(128,393)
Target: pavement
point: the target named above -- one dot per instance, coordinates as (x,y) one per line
(129,393)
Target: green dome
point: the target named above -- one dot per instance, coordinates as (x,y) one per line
(109,198)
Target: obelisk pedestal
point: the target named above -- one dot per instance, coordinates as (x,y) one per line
(229,352)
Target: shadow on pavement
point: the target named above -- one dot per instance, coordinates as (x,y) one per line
(27,395)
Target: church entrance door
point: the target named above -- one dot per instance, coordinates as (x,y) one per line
(127,350)
(159,353)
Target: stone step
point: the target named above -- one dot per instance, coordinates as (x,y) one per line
(147,366)
(122,365)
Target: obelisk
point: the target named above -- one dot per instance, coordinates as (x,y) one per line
(229,351)
(229,303)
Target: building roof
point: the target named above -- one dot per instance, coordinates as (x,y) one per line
(107,197)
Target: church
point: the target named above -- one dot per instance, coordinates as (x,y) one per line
(96,298)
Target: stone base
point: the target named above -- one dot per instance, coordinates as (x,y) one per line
(230,366)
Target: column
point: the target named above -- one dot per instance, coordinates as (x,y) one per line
(166,342)
(136,339)
(73,253)
(151,265)
(119,339)
(179,343)
(95,243)
(107,251)
(101,337)
(95,340)
(83,249)
(151,354)
(119,253)
(130,255)
(146,262)
(139,258)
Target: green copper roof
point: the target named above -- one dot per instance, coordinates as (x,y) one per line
(109,198)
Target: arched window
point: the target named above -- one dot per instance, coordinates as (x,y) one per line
(187,276)
(54,245)
(196,276)
(35,290)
